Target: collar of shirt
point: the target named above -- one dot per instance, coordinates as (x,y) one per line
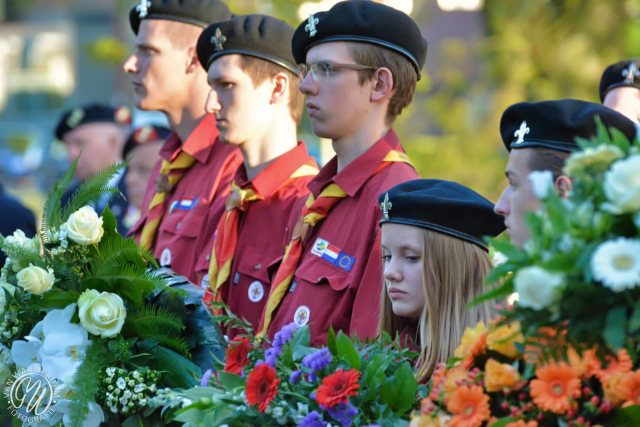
(271,178)
(198,144)
(355,174)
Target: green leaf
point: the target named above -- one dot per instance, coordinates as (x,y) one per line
(499,272)
(560,262)
(229,381)
(614,331)
(502,422)
(331,341)
(375,368)
(634,322)
(347,351)
(627,417)
(109,222)
(399,391)
(58,299)
(300,342)
(497,293)
(179,372)
(512,252)
(301,351)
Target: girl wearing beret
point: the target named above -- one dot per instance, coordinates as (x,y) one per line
(435,262)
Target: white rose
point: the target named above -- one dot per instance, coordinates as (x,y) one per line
(622,186)
(19,239)
(595,160)
(35,279)
(542,182)
(8,286)
(85,226)
(101,313)
(537,287)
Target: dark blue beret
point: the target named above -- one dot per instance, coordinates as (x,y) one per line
(624,73)
(362,21)
(442,206)
(196,12)
(93,113)
(557,124)
(259,36)
(144,135)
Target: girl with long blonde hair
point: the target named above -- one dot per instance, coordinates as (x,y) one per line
(435,263)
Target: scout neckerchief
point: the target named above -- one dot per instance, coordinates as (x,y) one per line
(170,174)
(314,212)
(226,240)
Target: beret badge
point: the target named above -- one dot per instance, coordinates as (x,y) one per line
(386,207)
(122,115)
(75,117)
(218,40)
(520,133)
(143,8)
(311,26)
(630,73)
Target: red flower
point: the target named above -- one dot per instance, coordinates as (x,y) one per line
(337,387)
(237,355)
(262,386)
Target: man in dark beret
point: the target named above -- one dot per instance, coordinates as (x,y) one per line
(539,137)
(358,64)
(620,88)
(195,169)
(98,132)
(255,98)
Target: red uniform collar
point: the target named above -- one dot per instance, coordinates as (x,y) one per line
(198,144)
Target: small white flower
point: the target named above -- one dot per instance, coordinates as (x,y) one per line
(538,288)
(136,374)
(498,259)
(616,263)
(186,402)
(143,402)
(594,160)
(121,383)
(139,388)
(278,412)
(622,186)
(542,182)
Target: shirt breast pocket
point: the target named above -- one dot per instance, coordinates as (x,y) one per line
(318,271)
(185,223)
(255,264)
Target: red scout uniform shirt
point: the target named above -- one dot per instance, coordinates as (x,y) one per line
(322,293)
(187,207)
(261,231)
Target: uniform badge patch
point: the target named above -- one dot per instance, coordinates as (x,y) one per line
(174,205)
(187,205)
(256,291)
(301,317)
(165,258)
(331,253)
(345,261)
(319,247)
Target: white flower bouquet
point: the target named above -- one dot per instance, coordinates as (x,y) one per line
(79,306)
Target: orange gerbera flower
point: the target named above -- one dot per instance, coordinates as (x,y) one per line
(473,341)
(579,363)
(470,407)
(500,375)
(262,386)
(616,365)
(237,355)
(554,386)
(611,390)
(522,423)
(337,387)
(629,388)
(503,339)
(453,382)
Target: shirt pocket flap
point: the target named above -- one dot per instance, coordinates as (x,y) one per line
(185,223)
(255,264)
(317,270)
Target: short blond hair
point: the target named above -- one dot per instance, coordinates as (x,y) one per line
(403,71)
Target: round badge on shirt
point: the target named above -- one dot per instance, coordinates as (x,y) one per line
(256,291)
(165,258)
(301,317)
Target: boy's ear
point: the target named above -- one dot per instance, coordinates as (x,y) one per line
(563,185)
(382,84)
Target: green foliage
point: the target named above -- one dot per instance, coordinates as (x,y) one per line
(86,381)
(52,214)
(158,324)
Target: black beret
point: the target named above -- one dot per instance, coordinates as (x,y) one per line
(196,12)
(624,73)
(442,206)
(362,21)
(260,36)
(93,113)
(557,124)
(144,135)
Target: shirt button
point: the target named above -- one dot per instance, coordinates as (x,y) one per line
(319,278)
(258,266)
(178,226)
(208,257)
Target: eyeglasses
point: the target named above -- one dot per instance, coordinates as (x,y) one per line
(320,71)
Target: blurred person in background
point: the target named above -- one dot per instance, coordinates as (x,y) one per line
(620,88)
(98,132)
(14,216)
(142,150)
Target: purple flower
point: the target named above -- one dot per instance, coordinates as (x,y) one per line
(295,375)
(205,378)
(314,419)
(284,335)
(313,377)
(271,355)
(344,413)
(318,360)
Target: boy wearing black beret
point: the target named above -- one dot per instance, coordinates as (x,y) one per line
(620,88)
(194,167)
(358,64)
(255,98)
(539,137)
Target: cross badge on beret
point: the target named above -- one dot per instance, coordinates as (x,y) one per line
(311,26)
(520,133)
(386,207)
(75,117)
(143,8)
(218,39)
(630,73)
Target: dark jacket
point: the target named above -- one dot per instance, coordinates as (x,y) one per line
(14,216)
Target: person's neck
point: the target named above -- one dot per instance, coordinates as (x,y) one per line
(260,152)
(350,147)
(184,118)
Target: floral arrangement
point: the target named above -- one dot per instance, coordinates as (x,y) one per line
(82,304)
(286,382)
(491,382)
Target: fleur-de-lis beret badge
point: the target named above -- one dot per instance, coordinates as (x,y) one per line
(143,8)
(218,40)
(520,133)
(386,207)
(311,26)
(75,117)
(630,73)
